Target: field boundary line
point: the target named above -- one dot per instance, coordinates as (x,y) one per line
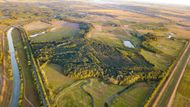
(83,88)
(66,89)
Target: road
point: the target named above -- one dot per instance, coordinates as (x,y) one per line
(35,68)
(27,100)
(178,82)
(15,70)
(164,90)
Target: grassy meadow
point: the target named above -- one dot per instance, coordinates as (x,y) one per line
(101,91)
(168,47)
(153,58)
(57,81)
(73,96)
(135,96)
(66,29)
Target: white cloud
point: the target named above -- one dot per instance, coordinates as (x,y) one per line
(180,2)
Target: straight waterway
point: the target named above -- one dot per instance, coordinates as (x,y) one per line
(15,70)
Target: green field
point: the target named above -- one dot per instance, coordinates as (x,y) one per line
(83,93)
(68,90)
(168,50)
(182,98)
(135,96)
(101,91)
(73,96)
(66,30)
(161,64)
(108,38)
(168,46)
(56,79)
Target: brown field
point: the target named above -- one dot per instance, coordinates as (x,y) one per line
(57,23)
(37,25)
(187,23)
(179,32)
(126,15)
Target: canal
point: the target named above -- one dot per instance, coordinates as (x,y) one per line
(15,71)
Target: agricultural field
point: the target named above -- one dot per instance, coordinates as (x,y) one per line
(78,53)
(56,79)
(100,91)
(159,64)
(135,96)
(168,49)
(69,51)
(32,26)
(58,32)
(70,96)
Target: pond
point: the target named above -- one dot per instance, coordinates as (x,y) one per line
(128,44)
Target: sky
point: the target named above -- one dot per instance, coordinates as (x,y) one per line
(180,2)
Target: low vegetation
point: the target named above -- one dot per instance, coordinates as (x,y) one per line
(82,58)
(135,96)
(70,96)
(101,91)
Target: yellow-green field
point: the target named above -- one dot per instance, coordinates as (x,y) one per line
(56,30)
(84,93)
(56,79)
(73,96)
(169,50)
(134,96)
(162,63)
(101,91)
(168,46)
